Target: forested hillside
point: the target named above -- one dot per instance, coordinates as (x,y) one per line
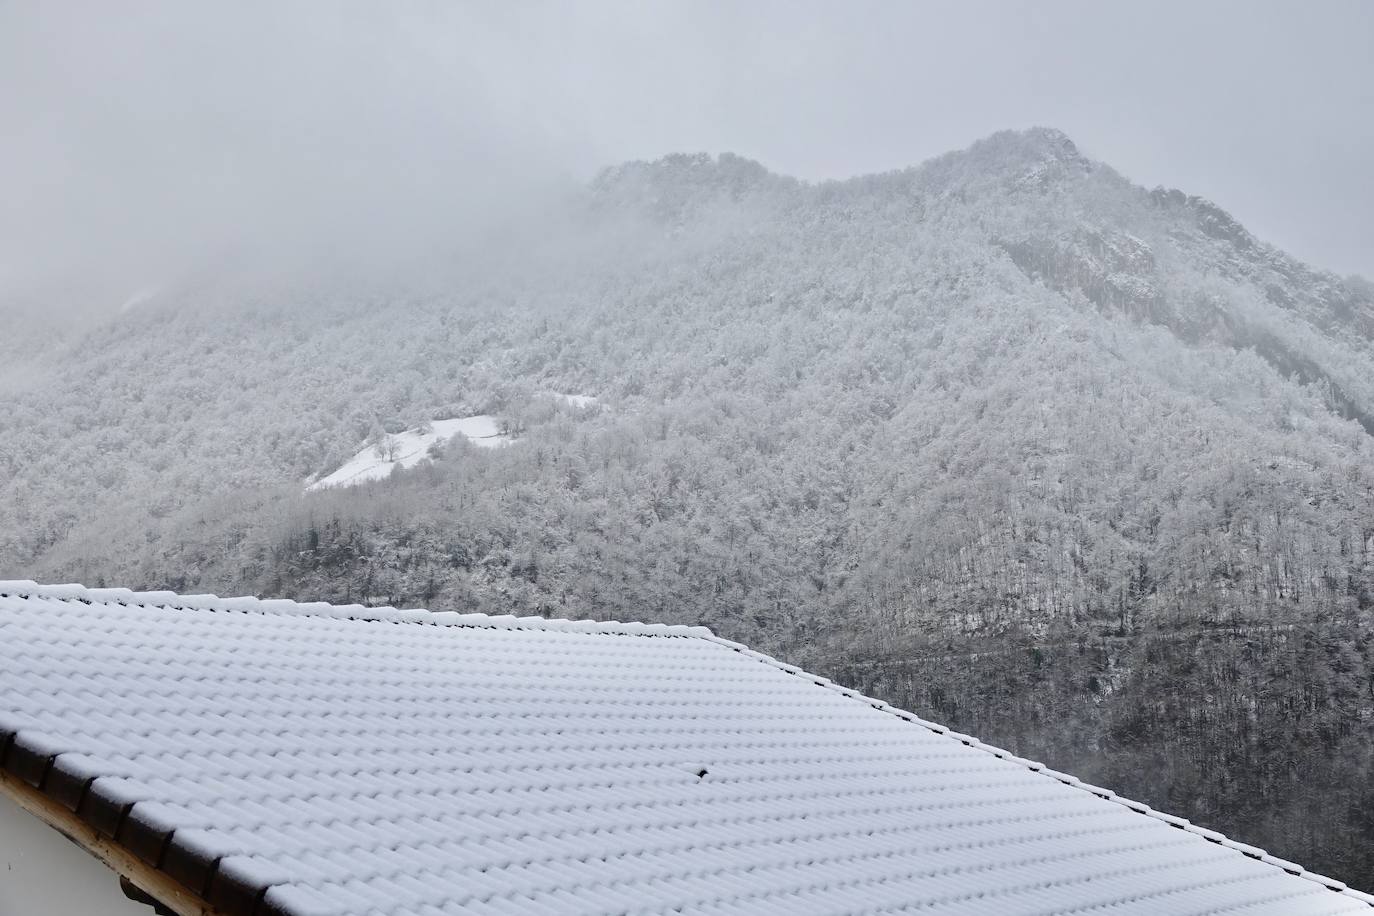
(1076,466)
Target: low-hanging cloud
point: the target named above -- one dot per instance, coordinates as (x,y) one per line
(157,139)
(148,140)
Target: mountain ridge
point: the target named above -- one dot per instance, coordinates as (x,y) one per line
(1065,461)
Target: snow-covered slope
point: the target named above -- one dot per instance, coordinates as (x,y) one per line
(407,449)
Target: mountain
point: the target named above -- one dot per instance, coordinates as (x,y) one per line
(1076,466)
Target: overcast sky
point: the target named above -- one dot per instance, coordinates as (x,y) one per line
(140,135)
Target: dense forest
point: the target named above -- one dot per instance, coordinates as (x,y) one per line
(1078,467)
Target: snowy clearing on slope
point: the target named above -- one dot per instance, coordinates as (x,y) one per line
(409,448)
(406,449)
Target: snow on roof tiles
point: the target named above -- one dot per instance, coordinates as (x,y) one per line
(284,758)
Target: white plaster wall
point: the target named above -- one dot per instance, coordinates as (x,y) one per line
(42,873)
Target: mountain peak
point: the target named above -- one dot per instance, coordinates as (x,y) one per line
(1037,157)
(1052,138)
(1030,147)
(727,171)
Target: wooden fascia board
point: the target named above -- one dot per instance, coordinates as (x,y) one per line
(161,887)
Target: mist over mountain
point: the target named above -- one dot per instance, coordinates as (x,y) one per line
(1078,466)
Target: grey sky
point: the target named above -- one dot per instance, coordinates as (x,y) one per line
(141,136)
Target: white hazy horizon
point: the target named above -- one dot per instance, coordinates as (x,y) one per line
(156,138)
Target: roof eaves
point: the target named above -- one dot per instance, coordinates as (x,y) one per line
(96,825)
(123,822)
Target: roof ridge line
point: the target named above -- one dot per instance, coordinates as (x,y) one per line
(1212,836)
(286,607)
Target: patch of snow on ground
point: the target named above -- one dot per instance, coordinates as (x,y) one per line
(578,400)
(409,448)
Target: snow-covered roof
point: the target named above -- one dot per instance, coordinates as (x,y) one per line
(283,758)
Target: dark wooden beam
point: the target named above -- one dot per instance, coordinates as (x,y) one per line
(161,889)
